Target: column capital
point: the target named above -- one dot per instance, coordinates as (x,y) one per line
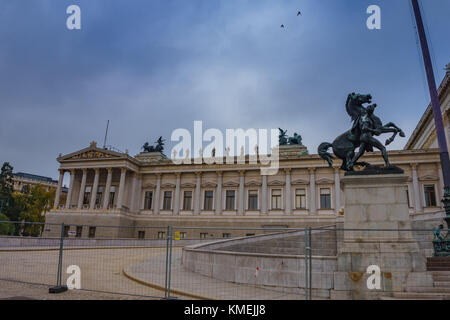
(414,166)
(158,175)
(439,165)
(109,170)
(61,171)
(287,170)
(337,169)
(241,173)
(311,170)
(219,173)
(72,171)
(84,170)
(198,174)
(97,170)
(123,169)
(178,174)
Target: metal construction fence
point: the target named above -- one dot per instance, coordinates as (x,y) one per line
(176,262)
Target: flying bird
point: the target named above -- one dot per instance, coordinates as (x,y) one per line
(299,13)
(282,26)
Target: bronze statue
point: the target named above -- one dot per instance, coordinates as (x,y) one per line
(158,148)
(365,126)
(284,140)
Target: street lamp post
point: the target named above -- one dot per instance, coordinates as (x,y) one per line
(442,248)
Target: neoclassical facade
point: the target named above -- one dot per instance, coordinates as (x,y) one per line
(111,188)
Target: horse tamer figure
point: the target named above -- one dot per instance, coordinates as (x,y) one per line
(362,134)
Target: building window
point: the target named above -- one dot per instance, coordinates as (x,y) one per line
(141,234)
(148,200)
(252,200)
(167,204)
(249,234)
(325,198)
(226,235)
(182,235)
(99,195)
(92,232)
(161,235)
(300,198)
(209,196)
(66,231)
(112,193)
(430,196)
(87,195)
(230,200)
(79,231)
(187,200)
(203,235)
(276,199)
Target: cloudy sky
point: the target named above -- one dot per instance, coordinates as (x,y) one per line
(152,66)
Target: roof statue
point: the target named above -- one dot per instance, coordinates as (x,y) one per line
(158,148)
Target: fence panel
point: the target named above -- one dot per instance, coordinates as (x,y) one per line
(28,256)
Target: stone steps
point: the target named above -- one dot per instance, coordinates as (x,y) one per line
(438,264)
(440,284)
(417,296)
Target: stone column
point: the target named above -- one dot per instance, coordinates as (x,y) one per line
(58,189)
(264,195)
(417,198)
(133,192)
(176,198)
(241,192)
(107,188)
(337,189)
(123,174)
(312,190)
(287,192)
(69,194)
(219,193)
(82,188)
(197,193)
(157,203)
(94,189)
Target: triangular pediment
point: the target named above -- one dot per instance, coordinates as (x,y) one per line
(230,184)
(253,183)
(324,181)
(276,183)
(209,184)
(428,177)
(188,185)
(91,153)
(149,185)
(300,182)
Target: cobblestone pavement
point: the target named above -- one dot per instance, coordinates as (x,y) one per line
(101,270)
(10,290)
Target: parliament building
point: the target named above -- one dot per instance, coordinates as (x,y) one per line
(116,189)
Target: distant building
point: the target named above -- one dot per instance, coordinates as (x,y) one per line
(23,180)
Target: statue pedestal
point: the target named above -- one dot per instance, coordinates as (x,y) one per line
(377,202)
(151,156)
(291,151)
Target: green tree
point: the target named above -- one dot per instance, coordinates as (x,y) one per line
(6,187)
(36,204)
(6,228)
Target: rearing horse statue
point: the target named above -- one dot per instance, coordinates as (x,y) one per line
(365,126)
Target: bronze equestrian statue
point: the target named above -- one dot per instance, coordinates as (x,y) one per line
(365,126)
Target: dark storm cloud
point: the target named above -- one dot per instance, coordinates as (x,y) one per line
(153,66)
